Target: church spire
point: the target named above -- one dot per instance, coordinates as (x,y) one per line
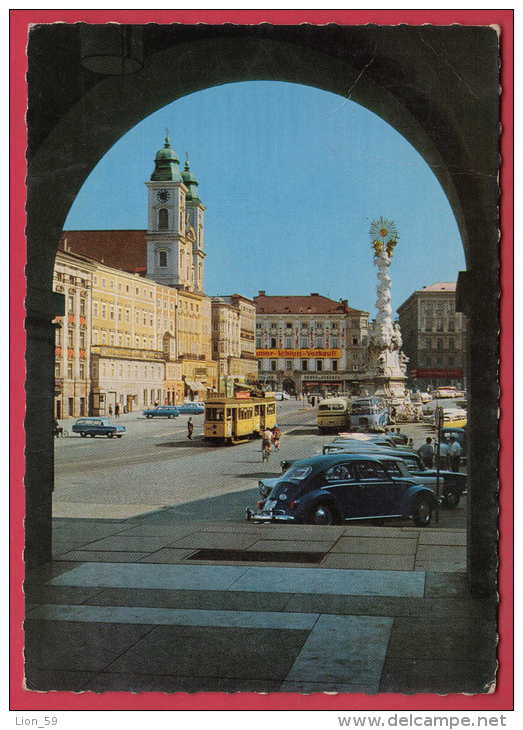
(191,183)
(166,163)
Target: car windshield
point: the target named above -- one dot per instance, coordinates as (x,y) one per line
(296,473)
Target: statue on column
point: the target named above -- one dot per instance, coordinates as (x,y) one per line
(387,362)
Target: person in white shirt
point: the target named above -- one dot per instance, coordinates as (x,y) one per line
(455,453)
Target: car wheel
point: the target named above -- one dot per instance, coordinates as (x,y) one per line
(109,435)
(119,436)
(451,498)
(422,513)
(169,416)
(92,435)
(83,434)
(322,514)
(148,416)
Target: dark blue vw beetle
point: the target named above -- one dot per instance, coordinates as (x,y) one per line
(334,488)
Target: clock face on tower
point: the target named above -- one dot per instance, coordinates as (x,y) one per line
(163,195)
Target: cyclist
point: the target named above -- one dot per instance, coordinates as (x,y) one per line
(276,436)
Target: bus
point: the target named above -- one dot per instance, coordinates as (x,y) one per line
(333,414)
(368,413)
(233,420)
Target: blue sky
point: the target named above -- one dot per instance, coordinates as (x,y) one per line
(292,177)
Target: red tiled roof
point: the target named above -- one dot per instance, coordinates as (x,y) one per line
(312,304)
(126,250)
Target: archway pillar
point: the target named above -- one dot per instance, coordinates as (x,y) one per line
(477,298)
(39,429)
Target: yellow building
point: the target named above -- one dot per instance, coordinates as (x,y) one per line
(72,278)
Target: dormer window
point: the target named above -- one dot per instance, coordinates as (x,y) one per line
(163,219)
(162,258)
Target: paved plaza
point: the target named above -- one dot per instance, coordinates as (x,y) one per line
(175,592)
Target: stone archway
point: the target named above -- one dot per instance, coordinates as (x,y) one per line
(407,75)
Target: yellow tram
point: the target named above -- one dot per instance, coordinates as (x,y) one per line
(231,420)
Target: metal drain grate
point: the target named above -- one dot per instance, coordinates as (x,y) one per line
(256,556)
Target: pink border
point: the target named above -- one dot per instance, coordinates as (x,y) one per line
(21,699)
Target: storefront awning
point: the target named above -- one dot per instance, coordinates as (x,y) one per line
(194,385)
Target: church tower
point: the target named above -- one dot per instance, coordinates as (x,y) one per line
(171,239)
(194,223)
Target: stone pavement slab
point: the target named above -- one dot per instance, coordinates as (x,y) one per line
(199,540)
(442,558)
(71,646)
(232,653)
(98,556)
(170,532)
(120,682)
(174,616)
(293,546)
(459,639)
(142,544)
(54,679)
(89,510)
(244,578)
(410,676)
(349,649)
(139,575)
(167,555)
(382,545)
(201,599)
(368,562)
(446,537)
(321,580)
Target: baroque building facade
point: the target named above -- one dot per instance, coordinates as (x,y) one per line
(434,336)
(233,321)
(310,344)
(146,332)
(72,371)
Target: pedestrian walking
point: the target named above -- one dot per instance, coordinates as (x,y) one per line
(276,436)
(444,454)
(266,444)
(455,453)
(426,453)
(190,429)
(110,410)
(117,411)
(410,443)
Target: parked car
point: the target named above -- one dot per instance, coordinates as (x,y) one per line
(162,411)
(192,409)
(98,427)
(336,488)
(453,485)
(281,395)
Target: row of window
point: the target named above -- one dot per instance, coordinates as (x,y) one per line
(71,339)
(438,308)
(69,370)
(438,325)
(305,342)
(439,344)
(354,324)
(70,279)
(120,287)
(306,365)
(128,370)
